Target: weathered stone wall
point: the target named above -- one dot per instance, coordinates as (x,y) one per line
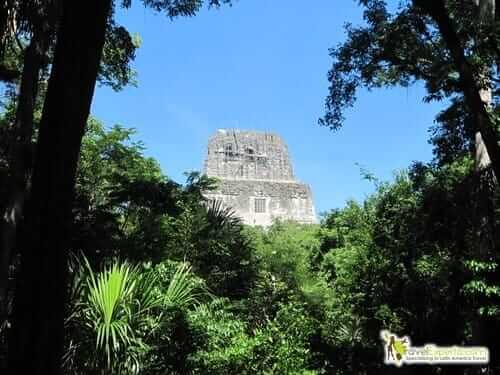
(284,200)
(256,178)
(248,155)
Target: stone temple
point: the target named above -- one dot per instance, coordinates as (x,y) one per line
(256,178)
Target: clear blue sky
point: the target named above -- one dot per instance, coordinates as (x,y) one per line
(262,65)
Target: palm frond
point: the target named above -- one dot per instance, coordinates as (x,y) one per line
(107,307)
(182,289)
(221,216)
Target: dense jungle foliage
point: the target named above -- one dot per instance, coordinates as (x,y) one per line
(165,282)
(108,266)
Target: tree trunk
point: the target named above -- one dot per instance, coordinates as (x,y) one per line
(20,159)
(436,9)
(6,16)
(7,74)
(484,212)
(37,337)
(482,158)
(487,149)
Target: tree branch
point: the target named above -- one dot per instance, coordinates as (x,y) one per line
(8,75)
(436,9)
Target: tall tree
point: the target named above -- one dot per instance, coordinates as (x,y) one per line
(432,41)
(39,303)
(36,27)
(474,86)
(453,47)
(41,19)
(37,331)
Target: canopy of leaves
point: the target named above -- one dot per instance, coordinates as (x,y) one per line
(402,46)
